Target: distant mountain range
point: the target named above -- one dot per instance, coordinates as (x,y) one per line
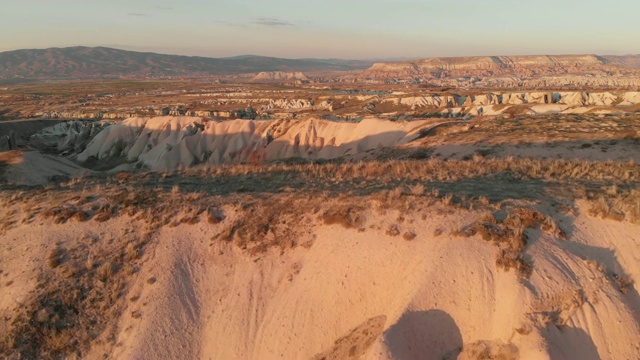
(100,62)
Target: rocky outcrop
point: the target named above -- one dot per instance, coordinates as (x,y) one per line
(168,142)
(296,104)
(564,71)
(570,98)
(69,136)
(630,98)
(279,76)
(71,114)
(571,81)
(485,66)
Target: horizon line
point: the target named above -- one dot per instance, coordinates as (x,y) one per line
(386,59)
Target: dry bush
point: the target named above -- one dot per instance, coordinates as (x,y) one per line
(601,208)
(56,257)
(484,201)
(90,263)
(396,193)
(272,223)
(529,218)
(62,214)
(104,213)
(214,216)
(447,200)
(617,205)
(510,236)
(345,215)
(192,216)
(132,252)
(417,189)
(393,230)
(409,235)
(123,176)
(106,270)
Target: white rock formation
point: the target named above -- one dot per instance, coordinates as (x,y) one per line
(420,101)
(602,99)
(486,99)
(630,98)
(168,142)
(296,104)
(269,76)
(67,136)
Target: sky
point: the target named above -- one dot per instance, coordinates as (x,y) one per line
(347,29)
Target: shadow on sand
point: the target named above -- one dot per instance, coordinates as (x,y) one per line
(424,335)
(570,343)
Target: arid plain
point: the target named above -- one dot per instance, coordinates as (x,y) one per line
(450,208)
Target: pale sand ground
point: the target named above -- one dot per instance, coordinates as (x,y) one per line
(438,293)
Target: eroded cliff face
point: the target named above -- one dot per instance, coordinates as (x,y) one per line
(488,65)
(163,143)
(563,71)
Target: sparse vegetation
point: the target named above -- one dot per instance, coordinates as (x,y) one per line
(345,215)
(393,230)
(510,236)
(271,207)
(623,282)
(409,235)
(76,298)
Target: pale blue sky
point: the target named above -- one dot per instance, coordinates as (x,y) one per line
(328,28)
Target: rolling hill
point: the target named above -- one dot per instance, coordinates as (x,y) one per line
(101,62)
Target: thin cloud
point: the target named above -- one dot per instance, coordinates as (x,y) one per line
(229,23)
(271,21)
(160,7)
(137,14)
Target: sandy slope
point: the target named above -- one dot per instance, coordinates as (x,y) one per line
(35,168)
(434,294)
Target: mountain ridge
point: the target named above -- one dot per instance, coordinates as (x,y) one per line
(81,62)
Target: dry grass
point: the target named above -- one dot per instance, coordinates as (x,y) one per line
(271,207)
(56,257)
(436,170)
(271,223)
(77,299)
(62,214)
(617,205)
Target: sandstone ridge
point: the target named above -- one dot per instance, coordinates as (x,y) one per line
(487,65)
